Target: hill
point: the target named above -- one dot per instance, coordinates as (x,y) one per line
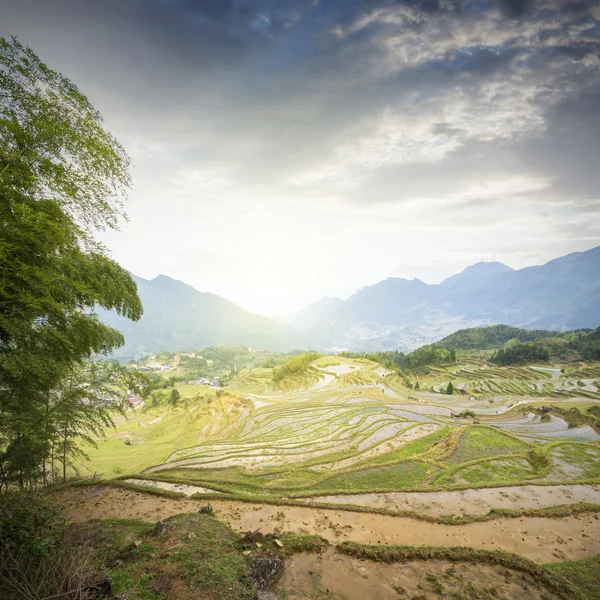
(513,345)
(178,317)
(494,337)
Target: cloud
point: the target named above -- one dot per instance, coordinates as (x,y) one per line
(425,114)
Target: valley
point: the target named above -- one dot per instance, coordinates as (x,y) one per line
(359,453)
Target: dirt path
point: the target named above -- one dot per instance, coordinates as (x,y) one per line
(540,539)
(471,502)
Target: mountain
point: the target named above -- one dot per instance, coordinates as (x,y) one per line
(477,275)
(394,314)
(404,314)
(178,317)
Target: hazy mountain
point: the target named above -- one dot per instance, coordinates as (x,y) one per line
(480,274)
(393,314)
(177,317)
(399,313)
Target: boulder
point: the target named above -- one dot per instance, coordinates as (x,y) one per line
(264,572)
(160,529)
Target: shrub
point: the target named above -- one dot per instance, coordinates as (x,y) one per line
(29,523)
(207,509)
(41,555)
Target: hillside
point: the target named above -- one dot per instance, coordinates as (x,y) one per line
(495,336)
(178,317)
(404,314)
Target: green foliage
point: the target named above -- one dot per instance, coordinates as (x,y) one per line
(450,389)
(581,344)
(29,523)
(416,360)
(62,175)
(492,337)
(466,414)
(583,574)
(520,354)
(207,509)
(297,365)
(175,396)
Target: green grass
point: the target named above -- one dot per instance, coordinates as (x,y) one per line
(580,456)
(583,574)
(409,474)
(492,471)
(483,442)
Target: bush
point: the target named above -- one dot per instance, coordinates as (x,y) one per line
(29,523)
(41,554)
(207,509)
(466,414)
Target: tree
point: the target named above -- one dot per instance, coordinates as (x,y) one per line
(62,177)
(450,388)
(175,395)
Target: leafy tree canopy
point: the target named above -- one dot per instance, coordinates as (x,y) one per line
(62,176)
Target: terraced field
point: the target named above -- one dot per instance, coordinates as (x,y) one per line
(350,426)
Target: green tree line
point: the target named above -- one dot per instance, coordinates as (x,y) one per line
(394,359)
(63,177)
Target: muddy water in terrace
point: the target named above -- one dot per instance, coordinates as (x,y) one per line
(336,576)
(540,539)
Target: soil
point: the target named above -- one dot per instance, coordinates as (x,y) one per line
(537,538)
(472,502)
(336,576)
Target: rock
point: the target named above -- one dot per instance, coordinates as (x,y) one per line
(264,572)
(278,542)
(262,595)
(127,443)
(160,529)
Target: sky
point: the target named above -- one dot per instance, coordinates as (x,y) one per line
(286,150)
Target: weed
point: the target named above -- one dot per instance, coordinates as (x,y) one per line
(207,509)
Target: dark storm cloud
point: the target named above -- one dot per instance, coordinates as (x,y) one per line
(515,8)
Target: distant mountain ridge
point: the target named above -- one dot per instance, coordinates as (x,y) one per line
(403,314)
(179,317)
(394,314)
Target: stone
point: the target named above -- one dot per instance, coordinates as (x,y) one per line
(278,542)
(160,529)
(264,572)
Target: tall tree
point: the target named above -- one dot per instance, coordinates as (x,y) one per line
(62,177)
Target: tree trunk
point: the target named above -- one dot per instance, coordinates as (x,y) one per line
(65,451)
